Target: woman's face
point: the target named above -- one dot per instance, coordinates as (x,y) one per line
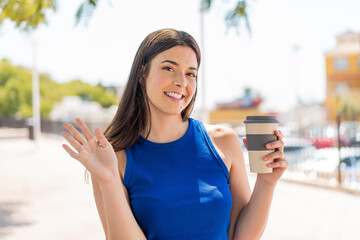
(171,82)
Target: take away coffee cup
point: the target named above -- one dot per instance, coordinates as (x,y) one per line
(260,130)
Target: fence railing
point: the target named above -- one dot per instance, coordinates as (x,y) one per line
(316,154)
(24,128)
(324,154)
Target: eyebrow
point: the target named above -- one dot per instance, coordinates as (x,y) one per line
(176,64)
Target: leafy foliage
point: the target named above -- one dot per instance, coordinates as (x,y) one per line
(16,92)
(90,93)
(205,5)
(348,107)
(85,10)
(26,14)
(15,89)
(234,16)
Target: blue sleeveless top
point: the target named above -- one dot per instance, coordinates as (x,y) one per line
(180,189)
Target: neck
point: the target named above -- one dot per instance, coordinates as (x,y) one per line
(167,128)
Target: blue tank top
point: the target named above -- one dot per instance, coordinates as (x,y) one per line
(180,189)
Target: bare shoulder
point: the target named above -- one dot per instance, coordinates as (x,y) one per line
(224,139)
(121,157)
(221,134)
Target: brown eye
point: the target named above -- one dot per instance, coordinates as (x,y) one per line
(168,69)
(192,75)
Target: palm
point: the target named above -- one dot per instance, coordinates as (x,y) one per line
(96,156)
(98,160)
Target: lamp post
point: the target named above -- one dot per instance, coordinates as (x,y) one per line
(338,121)
(35,94)
(295,50)
(204,112)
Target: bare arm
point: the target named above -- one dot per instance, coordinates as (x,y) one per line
(121,156)
(99,203)
(250,211)
(120,221)
(253,217)
(100,159)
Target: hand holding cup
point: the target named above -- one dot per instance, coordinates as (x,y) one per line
(265,147)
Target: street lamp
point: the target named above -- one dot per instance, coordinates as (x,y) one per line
(204,112)
(35,94)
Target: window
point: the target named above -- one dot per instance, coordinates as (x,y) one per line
(341,63)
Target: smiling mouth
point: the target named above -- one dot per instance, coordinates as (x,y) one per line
(175,96)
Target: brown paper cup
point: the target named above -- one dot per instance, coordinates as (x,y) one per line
(260,130)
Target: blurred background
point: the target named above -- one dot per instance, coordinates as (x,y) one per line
(298,60)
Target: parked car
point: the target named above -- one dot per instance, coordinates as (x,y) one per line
(352,130)
(326,136)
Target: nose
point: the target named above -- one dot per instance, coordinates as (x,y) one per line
(180,80)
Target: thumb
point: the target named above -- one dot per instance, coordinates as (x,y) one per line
(244,141)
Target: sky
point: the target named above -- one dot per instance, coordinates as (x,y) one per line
(282,59)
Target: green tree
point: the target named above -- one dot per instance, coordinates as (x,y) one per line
(90,93)
(15,89)
(232,19)
(85,10)
(16,92)
(349,108)
(234,16)
(26,14)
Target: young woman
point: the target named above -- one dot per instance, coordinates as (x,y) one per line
(158,174)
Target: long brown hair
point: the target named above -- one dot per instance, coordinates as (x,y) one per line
(133,114)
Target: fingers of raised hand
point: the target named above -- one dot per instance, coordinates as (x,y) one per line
(85,130)
(70,152)
(84,160)
(73,142)
(75,133)
(100,136)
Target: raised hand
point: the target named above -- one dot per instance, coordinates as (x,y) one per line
(97,156)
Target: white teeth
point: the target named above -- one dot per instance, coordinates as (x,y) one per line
(174,95)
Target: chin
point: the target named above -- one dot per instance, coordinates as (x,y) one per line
(174,112)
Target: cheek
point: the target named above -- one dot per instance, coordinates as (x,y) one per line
(161,81)
(155,83)
(192,86)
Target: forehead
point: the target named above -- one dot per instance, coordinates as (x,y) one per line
(183,55)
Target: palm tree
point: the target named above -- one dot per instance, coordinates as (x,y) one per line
(232,18)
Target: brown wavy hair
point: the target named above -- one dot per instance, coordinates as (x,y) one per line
(133,113)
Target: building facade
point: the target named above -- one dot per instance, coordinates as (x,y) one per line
(343,77)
